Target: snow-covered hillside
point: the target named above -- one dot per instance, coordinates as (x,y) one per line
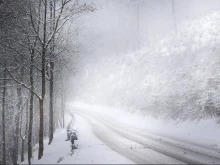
(174,77)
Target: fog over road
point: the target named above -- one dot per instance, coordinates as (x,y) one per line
(144,147)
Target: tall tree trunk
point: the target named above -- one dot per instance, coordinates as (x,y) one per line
(22,140)
(41,132)
(63,104)
(51,129)
(23,137)
(3,120)
(43,85)
(20,112)
(51,116)
(17,122)
(26,124)
(31,109)
(41,104)
(41,129)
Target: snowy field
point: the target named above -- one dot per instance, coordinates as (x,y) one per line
(91,150)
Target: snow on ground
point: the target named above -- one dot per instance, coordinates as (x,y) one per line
(91,150)
(205,132)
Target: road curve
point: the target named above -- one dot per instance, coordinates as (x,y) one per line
(147,148)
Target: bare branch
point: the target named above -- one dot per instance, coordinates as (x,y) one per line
(22,84)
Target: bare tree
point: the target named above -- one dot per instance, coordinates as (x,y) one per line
(3,119)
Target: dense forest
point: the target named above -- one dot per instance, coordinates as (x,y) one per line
(34,67)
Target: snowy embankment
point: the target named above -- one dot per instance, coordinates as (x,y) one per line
(205,132)
(90,150)
(176,77)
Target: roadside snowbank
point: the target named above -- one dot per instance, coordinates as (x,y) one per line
(90,151)
(204,132)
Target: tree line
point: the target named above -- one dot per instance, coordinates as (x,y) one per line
(34,67)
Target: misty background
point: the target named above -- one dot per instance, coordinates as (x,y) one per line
(158,57)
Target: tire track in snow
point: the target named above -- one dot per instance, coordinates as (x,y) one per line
(213,155)
(185,152)
(148,143)
(117,143)
(132,150)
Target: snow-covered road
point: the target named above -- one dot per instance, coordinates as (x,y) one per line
(144,147)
